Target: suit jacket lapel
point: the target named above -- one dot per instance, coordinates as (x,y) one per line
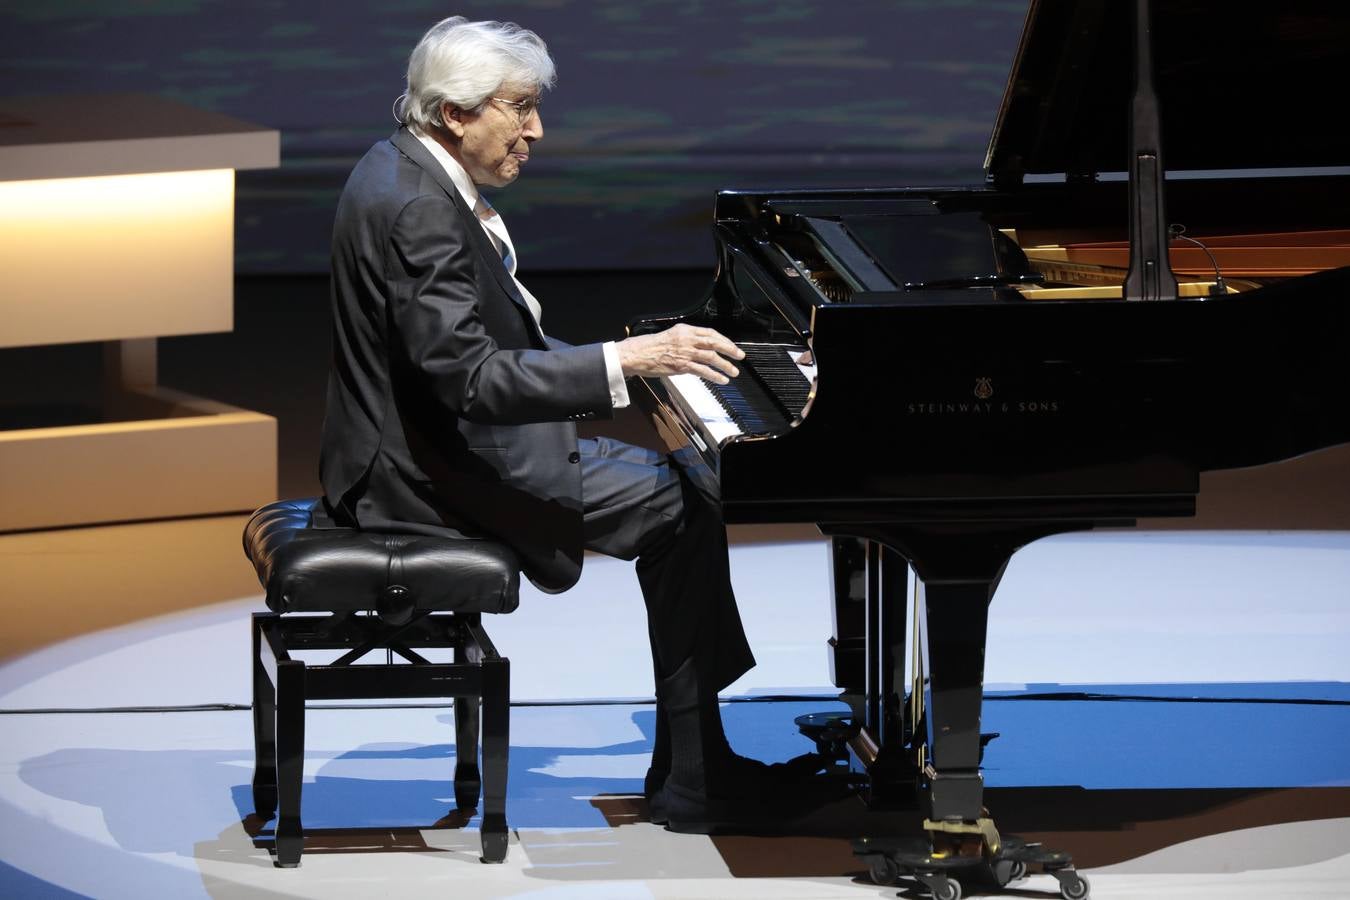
(412,148)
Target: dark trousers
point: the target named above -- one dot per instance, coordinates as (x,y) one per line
(639,505)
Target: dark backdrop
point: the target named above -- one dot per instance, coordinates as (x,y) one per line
(659,103)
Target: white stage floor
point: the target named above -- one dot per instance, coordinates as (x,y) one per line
(154,804)
(1104,608)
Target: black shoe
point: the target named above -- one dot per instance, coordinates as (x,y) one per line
(652,787)
(748,796)
(786,775)
(709,788)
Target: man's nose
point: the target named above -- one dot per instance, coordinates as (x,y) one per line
(533,128)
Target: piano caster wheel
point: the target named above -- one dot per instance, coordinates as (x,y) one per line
(1072,886)
(943,888)
(882,869)
(888,858)
(1006,871)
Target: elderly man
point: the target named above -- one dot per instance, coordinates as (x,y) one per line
(451,413)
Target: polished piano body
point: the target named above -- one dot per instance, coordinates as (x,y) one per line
(982,376)
(982,395)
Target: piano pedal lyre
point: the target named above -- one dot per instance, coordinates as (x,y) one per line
(831,733)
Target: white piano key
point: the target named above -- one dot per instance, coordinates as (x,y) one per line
(701,402)
(808,370)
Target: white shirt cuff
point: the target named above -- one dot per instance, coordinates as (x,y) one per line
(618,390)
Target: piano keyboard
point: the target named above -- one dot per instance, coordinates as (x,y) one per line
(770,392)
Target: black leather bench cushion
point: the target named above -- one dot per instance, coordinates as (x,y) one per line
(305,569)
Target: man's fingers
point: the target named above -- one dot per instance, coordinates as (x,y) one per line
(725,367)
(711,339)
(708,374)
(730,350)
(713,360)
(725,347)
(700,351)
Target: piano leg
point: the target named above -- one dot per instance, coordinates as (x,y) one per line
(960,570)
(957,617)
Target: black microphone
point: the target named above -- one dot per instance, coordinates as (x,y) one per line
(1177,230)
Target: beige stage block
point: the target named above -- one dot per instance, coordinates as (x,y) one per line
(106,576)
(116,257)
(76,136)
(117,225)
(193,457)
(117,217)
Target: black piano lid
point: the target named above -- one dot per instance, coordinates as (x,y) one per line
(1241,86)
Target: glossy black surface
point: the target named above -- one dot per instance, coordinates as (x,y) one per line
(1240,86)
(327,569)
(952,420)
(1090,407)
(954,426)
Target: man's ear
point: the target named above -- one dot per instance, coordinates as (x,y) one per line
(452,117)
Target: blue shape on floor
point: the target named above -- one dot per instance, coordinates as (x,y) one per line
(1149,745)
(1143,743)
(1112,743)
(536,799)
(1095,744)
(18,883)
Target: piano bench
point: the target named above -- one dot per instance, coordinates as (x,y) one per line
(354,591)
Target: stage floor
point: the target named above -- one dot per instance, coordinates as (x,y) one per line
(1199,749)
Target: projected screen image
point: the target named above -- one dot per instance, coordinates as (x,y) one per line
(658,105)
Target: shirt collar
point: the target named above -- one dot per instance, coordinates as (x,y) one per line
(463,183)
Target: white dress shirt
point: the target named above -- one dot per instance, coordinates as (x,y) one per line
(492,223)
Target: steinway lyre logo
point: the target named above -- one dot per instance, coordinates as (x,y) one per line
(983,404)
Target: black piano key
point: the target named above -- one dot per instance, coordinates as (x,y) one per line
(768,394)
(774,368)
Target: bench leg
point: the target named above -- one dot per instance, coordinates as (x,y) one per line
(264,732)
(496,740)
(468,783)
(290,737)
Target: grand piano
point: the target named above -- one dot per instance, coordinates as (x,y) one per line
(936,377)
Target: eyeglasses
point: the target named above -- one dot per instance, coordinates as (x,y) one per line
(523,108)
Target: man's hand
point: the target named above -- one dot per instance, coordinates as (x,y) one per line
(683,348)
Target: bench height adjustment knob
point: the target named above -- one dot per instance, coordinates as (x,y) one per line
(395,605)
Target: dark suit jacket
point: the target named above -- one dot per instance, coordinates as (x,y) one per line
(449,412)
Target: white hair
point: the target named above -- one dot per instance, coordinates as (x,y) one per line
(463,63)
